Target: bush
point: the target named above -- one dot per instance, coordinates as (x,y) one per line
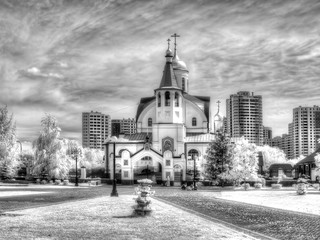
(38,181)
(276,186)
(258,185)
(65,182)
(44,182)
(57,182)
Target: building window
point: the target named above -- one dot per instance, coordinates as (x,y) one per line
(193,154)
(183,84)
(176,99)
(194,121)
(168,162)
(159,100)
(167,99)
(125,162)
(125,174)
(149,122)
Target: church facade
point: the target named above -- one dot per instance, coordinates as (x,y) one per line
(173,132)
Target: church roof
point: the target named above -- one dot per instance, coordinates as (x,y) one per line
(199,137)
(144,102)
(202,102)
(168,78)
(283,166)
(308,159)
(136,137)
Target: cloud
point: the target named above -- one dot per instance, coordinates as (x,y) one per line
(66,57)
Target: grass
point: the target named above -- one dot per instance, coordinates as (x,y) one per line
(96,215)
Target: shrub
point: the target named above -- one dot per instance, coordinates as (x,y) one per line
(57,182)
(258,185)
(38,181)
(65,182)
(44,182)
(276,186)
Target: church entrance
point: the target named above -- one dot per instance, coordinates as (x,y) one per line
(147,168)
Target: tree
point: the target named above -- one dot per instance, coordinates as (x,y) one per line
(92,158)
(27,161)
(74,151)
(271,155)
(50,155)
(244,162)
(218,157)
(8,145)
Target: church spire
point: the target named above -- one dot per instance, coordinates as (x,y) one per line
(168,78)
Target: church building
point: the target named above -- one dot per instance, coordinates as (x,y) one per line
(173,132)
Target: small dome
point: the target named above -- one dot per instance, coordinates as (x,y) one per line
(169,53)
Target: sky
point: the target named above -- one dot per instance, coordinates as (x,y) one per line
(66,57)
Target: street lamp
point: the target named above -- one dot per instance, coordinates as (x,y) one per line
(194,174)
(76,184)
(75,151)
(114,192)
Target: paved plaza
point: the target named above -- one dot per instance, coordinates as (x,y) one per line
(67,212)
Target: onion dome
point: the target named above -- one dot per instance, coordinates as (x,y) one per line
(178,64)
(169,53)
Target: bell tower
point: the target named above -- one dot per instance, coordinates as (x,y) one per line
(169,94)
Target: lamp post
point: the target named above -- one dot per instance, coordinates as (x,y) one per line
(147,171)
(114,192)
(76,184)
(194,173)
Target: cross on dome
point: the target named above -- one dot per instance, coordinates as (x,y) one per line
(218,105)
(175,40)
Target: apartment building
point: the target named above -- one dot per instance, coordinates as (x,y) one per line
(125,126)
(244,117)
(96,127)
(305,130)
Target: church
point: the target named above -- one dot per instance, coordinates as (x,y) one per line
(173,132)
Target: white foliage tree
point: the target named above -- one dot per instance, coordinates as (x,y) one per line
(9,149)
(92,158)
(271,155)
(50,154)
(244,162)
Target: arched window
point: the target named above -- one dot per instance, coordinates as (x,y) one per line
(194,121)
(193,154)
(176,99)
(159,100)
(183,84)
(149,122)
(167,99)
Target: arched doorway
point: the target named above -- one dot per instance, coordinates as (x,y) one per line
(146,167)
(193,165)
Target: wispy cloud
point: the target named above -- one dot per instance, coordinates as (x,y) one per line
(66,57)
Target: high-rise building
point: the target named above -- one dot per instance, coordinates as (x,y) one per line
(283,143)
(128,126)
(96,127)
(123,126)
(306,130)
(267,136)
(244,117)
